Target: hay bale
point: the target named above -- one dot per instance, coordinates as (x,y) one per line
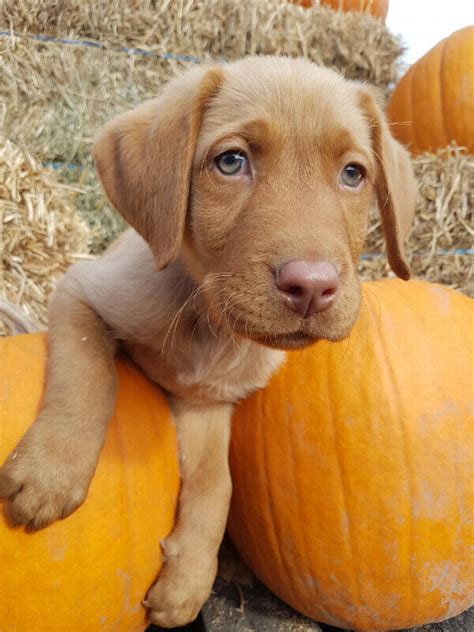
(93,206)
(54,97)
(356,44)
(41,234)
(443,223)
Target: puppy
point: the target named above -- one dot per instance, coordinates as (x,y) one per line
(247,187)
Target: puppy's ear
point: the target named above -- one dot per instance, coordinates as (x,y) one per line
(395,185)
(144,159)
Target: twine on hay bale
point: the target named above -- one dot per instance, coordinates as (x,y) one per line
(444,222)
(41,235)
(355,43)
(54,97)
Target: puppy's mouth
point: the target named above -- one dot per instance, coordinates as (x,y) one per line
(291,340)
(306,335)
(299,339)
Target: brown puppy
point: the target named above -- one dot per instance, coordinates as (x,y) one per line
(248,188)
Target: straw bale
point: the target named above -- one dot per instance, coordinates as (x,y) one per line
(357,44)
(444,222)
(54,97)
(41,234)
(92,205)
(455,271)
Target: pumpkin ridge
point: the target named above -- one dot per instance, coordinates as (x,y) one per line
(409,474)
(299,505)
(442,93)
(354,577)
(273,514)
(415,141)
(258,446)
(125,485)
(460,499)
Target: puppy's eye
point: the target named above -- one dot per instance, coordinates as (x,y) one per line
(231,162)
(352,175)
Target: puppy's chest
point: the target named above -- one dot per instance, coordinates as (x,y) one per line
(229,372)
(217,371)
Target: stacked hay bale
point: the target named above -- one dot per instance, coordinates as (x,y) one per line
(41,233)
(112,55)
(57,94)
(355,44)
(440,244)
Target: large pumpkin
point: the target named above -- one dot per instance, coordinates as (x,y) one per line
(378,8)
(353,470)
(90,571)
(433,104)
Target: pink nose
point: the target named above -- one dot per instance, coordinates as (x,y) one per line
(309,287)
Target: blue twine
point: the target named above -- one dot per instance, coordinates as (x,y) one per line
(439,253)
(98,45)
(57,164)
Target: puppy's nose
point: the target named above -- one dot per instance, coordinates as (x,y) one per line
(309,287)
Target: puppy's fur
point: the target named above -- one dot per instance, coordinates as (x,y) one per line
(189,292)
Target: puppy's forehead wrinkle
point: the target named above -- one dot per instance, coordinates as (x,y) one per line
(284,85)
(298,103)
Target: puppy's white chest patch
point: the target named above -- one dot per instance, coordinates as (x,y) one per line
(232,370)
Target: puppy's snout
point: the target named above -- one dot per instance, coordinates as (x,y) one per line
(309,287)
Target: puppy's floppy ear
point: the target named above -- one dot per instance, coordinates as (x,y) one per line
(395,185)
(144,159)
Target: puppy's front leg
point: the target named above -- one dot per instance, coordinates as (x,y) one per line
(191,550)
(48,473)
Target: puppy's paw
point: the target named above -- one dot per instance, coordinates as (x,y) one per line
(41,485)
(182,588)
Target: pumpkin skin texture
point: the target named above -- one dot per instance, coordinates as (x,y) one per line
(352,470)
(307,4)
(433,104)
(377,8)
(90,571)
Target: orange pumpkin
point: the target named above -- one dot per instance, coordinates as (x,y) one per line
(433,104)
(90,571)
(378,8)
(353,470)
(307,4)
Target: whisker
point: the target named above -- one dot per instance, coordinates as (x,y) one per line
(206,284)
(207,311)
(212,278)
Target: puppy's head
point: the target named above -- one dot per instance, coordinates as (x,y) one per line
(260,175)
